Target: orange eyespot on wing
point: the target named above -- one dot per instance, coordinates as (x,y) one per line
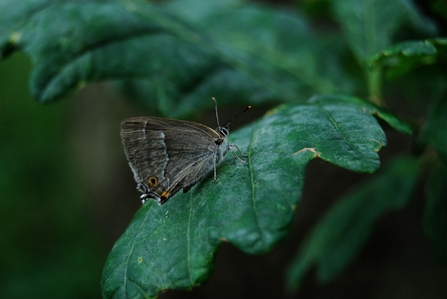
(153,181)
(165,194)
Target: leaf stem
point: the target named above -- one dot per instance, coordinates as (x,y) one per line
(374,80)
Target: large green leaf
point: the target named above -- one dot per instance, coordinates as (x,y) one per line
(435,217)
(181,53)
(251,205)
(370,25)
(336,240)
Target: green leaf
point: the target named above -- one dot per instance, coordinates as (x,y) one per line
(251,205)
(435,216)
(402,57)
(433,132)
(339,236)
(369,25)
(71,43)
(180,56)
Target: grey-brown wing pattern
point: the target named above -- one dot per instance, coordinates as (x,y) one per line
(166,155)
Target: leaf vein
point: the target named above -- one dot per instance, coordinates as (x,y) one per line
(334,123)
(139,287)
(253,187)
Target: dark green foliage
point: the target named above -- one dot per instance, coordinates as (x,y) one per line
(340,234)
(47,246)
(173,56)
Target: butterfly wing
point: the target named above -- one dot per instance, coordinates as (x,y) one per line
(167,155)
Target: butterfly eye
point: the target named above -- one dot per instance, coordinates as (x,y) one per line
(224,131)
(153,181)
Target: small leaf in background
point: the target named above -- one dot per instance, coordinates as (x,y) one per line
(339,236)
(370,25)
(434,130)
(402,57)
(435,217)
(251,205)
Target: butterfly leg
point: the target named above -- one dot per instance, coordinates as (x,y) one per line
(243,161)
(235,145)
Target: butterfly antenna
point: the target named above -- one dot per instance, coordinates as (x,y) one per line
(245,110)
(215,108)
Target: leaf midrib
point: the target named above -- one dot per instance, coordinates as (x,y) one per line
(253,188)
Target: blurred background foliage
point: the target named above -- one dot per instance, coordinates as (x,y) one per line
(47,246)
(63,176)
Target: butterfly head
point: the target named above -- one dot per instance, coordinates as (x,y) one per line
(224,130)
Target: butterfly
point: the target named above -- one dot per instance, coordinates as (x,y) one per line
(167,155)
